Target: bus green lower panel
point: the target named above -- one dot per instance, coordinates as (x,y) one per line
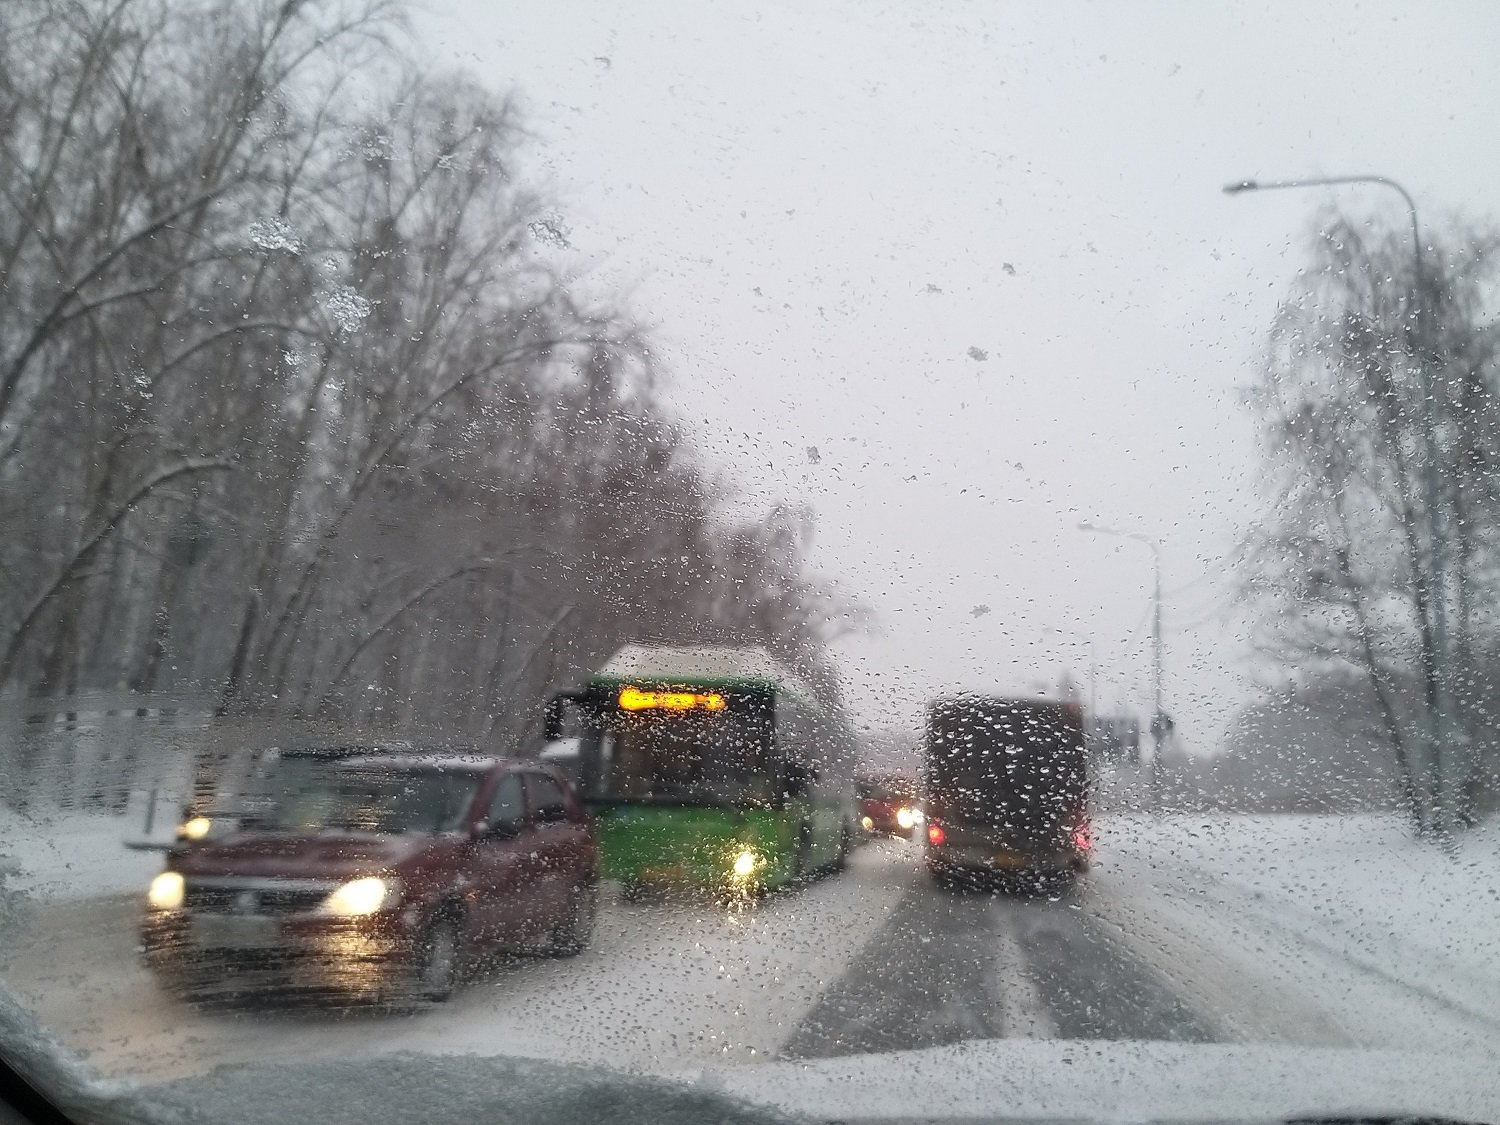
(676,844)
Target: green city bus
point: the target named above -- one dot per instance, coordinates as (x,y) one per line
(711,767)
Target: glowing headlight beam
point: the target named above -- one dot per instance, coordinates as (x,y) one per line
(362,896)
(745,863)
(195,828)
(166,891)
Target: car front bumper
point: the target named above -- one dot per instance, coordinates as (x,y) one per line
(205,953)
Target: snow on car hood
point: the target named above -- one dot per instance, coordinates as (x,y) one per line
(1100,1080)
(400,1088)
(999,1080)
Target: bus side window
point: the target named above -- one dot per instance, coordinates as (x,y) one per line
(627,763)
(797,733)
(822,739)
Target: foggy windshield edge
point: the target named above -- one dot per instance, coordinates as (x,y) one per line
(889,560)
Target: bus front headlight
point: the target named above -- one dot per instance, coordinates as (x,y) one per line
(745,863)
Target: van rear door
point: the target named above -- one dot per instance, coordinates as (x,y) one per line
(1007,776)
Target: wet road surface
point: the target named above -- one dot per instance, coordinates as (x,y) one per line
(871,959)
(974,965)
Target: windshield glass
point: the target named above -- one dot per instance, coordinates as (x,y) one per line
(885,789)
(907,560)
(388,801)
(258,779)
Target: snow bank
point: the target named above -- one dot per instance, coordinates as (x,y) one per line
(53,1069)
(53,853)
(1360,881)
(1095,1080)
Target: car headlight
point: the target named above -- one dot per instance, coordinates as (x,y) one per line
(866,823)
(166,891)
(745,863)
(357,897)
(904,817)
(195,828)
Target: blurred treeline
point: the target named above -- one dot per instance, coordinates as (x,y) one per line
(299,405)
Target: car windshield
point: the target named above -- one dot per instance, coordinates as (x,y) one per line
(907,560)
(248,782)
(390,801)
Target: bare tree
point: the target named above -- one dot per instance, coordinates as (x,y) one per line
(1343,565)
(296,404)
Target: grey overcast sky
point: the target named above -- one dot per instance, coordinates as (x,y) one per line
(975,256)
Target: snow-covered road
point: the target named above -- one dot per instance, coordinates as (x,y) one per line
(663,984)
(1161,942)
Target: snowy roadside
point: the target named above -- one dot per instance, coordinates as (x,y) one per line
(1361,882)
(63,854)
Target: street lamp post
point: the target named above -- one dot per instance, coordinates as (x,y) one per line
(1438,727)
(1157,723)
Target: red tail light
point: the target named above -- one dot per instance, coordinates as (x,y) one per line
(1082,840)
(936,836)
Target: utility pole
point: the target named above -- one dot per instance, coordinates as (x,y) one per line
(1439,726)
(1158,719)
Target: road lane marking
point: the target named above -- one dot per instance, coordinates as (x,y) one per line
(1023,1012)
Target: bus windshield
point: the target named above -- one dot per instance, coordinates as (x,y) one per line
(717,758)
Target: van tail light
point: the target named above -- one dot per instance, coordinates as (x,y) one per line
(936,836)
(1082,840)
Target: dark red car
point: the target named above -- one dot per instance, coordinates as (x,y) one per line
(381,876)
(888,805)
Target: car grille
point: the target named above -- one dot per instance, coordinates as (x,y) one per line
(223,899)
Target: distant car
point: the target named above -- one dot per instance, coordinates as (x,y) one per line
(888,806)
(381,876)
